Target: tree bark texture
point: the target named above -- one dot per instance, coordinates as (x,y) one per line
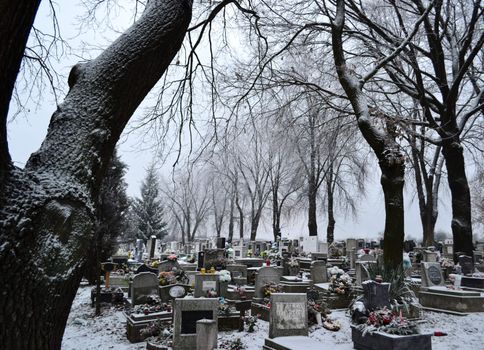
(48,215)
(312,221)
(461,198)
(17,19)
(331,220)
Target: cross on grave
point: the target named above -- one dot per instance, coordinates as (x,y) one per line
(107,267)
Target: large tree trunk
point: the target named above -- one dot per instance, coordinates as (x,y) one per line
(47,216)
(392,181)
(276,215)
(17,20)
(331,220)
(231,219)
(312,223)
(461,198)
(254,225)
(382,143)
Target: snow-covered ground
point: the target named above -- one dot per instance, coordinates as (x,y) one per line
(108,331)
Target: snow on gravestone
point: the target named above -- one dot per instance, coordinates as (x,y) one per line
(432,274)
(144,284)
(288,315)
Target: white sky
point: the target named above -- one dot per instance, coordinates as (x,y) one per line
(27,132)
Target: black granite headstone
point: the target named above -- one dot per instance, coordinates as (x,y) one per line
(190,318)
(466,264)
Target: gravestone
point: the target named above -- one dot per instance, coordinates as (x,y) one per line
(288,315)
(352,258)
(150,247)
(265,275)
(376,295)
(213,258)
(466,264)
(319,274)
(350,244)
(204,283)
(221,243)
(367,257)
(144,284)
(361,272)
(429,256)
(200,259)
(207,333)
(186,313)
(431,274)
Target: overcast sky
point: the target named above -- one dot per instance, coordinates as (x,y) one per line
(27,131)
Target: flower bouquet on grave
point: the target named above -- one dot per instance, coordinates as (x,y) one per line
(331,325)
(384,320)
(172,257)
(224,276)
(232,344)
(339,282)
(224,309)
(152,305)
(270,288)
(155,264)
(251,323)
(317,311)
(167,278)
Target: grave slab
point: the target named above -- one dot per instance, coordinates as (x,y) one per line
(288,315)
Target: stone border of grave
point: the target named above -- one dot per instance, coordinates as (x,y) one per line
(381,340)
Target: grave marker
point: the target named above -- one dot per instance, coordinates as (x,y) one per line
(144,284)
(288,315)
(432,274)
(186,313)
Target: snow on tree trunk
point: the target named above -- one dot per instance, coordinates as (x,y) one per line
(47,209)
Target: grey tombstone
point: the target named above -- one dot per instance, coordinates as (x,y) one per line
(265,275)
(350,245)
(367,257)
(288,315)
(205,283)
(144,284)
(186,313)
(376,295)
(431,274)
(466,264)
(361,272)
(319,273)
(352,257)
(207,333)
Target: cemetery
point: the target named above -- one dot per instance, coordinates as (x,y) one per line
(213,302)
(242,175)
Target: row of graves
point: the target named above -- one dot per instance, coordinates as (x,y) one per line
(177,303)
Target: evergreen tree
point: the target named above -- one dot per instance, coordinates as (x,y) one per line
(112,221)
(149,208)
